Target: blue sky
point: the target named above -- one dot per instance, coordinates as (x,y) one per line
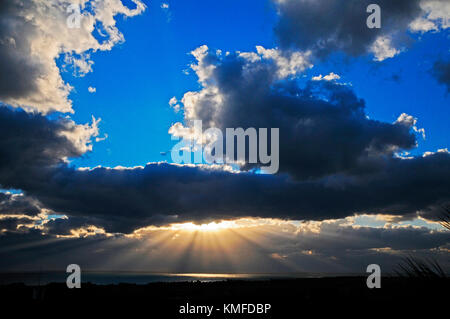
(136,79)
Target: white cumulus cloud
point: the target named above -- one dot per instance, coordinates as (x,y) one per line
(35,33)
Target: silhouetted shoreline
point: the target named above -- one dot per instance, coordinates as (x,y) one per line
(286,296)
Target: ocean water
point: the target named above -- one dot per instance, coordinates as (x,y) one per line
(142,278)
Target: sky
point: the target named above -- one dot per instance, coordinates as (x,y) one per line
(87,128)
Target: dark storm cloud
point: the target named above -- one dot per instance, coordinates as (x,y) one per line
(323,127)
(13,224)
(335,237)
(123,200)
(31,250)
(133,198)
(441,70)
(15,53)
(347,247)
(14,204)
(31,145)
(325,26)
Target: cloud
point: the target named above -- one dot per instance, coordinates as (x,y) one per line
(33,34)
(441,70)
(382,49)
(173,102)
(273,246)
(436,17)
(18,205)
(410,122)
(92,89)
(334,161)
(122,200)
(326,26)
(31,144)
(330,77)
(34,153)
(323,126)
(288,63)
(166,8)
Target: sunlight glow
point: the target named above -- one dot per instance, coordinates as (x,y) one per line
(205,227)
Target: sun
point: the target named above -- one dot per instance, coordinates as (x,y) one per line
(210,227)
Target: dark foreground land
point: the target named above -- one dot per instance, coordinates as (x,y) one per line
(296,298)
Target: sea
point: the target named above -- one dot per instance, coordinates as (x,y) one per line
(142,278)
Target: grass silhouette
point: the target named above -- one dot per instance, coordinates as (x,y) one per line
(445,218)
(414,267)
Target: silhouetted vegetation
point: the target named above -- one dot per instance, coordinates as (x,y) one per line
(445,218)
(414,267)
